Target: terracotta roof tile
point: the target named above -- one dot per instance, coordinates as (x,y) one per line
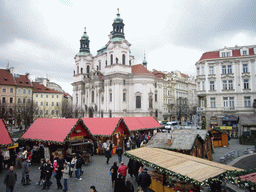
(38,88)
(23,81)
(249,177)
(139,69)
(6,77)
(184,75)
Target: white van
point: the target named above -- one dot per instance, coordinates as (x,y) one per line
(169,125)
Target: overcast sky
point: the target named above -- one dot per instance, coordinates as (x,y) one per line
(42,37)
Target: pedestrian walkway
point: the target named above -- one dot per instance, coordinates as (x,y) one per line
(96,173)
(233,146)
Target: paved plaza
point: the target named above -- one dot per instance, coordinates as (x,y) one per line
(96,173)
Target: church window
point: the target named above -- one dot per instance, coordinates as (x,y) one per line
(156,113)
(138,102)
(110,113)
(88,69)
(77,69)
(106,63)
(81,70)
(130,62)
(123,59)
(124,82)
(155,97)
(110,97)
(92,96)
(155,85)
(99,65)
(110,82)
(150,100)
(101,114)
(111,59)
(124,96)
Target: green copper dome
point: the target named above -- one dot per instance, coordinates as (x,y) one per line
(84,43)
(118,27)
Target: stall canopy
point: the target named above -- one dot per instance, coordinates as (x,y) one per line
(56,130)
(5,138)
(141,123)
(170,163)
(106,127)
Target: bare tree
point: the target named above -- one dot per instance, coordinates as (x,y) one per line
(182,108)
(66,109)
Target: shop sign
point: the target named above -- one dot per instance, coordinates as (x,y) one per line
(224,127)
(78,131)
(15,145)
(76,137)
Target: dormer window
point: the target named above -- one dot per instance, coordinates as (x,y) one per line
(245,52)
(228,54)
(223,54)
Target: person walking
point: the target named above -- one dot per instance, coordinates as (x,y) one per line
(93,189)
(48,174)
(73,165)
(95,147)
(108,152)
(58,176)
(10,179)
(119,152)
(131,165)
(25,172)
(113,171)
(65,172)
(42,172)
(119,184)
(129,186)
(122,170)
(144,180)
(79,164)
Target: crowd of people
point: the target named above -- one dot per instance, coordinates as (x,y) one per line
(54,167)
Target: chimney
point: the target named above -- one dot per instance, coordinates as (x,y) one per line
(11,69)
(45,82)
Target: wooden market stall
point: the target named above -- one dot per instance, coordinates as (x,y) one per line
(188,141)
(177,171)
(114,129)
(5,141)
(142,123)
(220,138)
(60,134)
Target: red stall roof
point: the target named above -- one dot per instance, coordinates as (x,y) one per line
(54,130)
(249,177)
(104,126)
(5,138)
(141,123)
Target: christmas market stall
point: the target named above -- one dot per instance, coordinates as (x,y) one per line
(142,124)
(172,171)
(220,138)
(60,137)
(104,129)
(5,143)
(193,142)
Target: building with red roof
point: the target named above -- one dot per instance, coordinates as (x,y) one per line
(5,138)
(110,84)
(226,86)
(48,102)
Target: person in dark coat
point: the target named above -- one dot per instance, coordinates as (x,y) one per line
(79,164)
(113,171)
(119,184)
(25,170)
(48,174)
(10,179)
(42,172)
(59,175)
(108,154)
(1,161)
(119,152)
(144,180)
(128,186)
(131,165)
(95,147)
(136,169)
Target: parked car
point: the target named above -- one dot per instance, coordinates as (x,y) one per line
(169,125)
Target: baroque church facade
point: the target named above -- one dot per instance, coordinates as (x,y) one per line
(109,84)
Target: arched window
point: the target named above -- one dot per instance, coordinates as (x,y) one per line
(101,114)
(88,69)
(81,70)
(110,113)
(123,59)
(99,65)
(77,69)
(138,102)
(156,113)
(150,104)
(92,96)
(111,59)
